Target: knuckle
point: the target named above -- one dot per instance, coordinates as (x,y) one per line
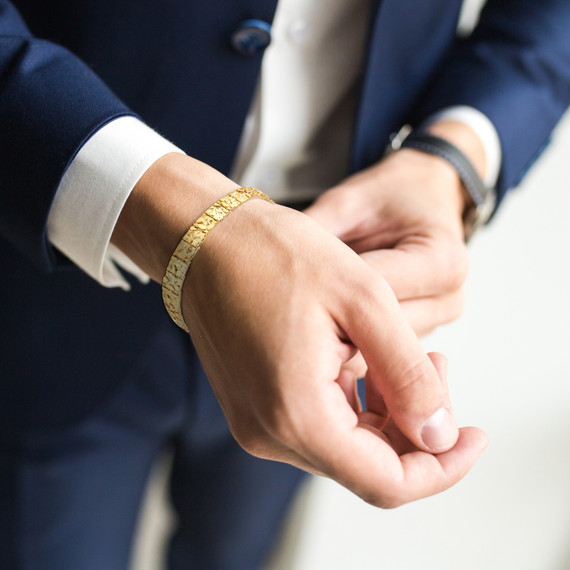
(271,426)
(391,503)
(413,387)
(268,438)
(449,308)
(282,432)
(374,292)
(280,426)
(452,264)
(253,441)
(457,265)
(455,307)
(383,501)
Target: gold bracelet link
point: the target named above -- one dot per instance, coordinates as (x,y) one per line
(186,250)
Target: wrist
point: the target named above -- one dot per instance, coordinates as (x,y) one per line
(465,139)
(459,146)
(164,203)
(435,179)
(191,243)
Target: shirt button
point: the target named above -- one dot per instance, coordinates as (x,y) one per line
(251,38)
(298,31)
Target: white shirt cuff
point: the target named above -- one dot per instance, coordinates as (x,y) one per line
(92,194)
(484,129)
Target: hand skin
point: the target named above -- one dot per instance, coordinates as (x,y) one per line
(403,216)
(276,306)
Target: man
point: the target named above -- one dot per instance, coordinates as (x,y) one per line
(282,314)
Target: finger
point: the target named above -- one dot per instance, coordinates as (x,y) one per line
(274,450)
(427,313)
(381,421)
(397,440)
(399,371)
(422,469)
(347,382)
(380,417)
(361,458)
(421,267)
(356,366)
(334,212)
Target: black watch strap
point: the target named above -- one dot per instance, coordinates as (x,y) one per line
(440,147)
(481,197)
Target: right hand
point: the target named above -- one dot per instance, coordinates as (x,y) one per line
(276,306)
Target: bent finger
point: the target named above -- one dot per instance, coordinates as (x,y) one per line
(399,370)
(421,267)
(425,314)
(362,460)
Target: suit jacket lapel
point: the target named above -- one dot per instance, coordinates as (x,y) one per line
(408,39)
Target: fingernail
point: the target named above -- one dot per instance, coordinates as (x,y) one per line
(439,433)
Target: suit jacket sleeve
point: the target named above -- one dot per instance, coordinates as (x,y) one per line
(515,68)
(50,103)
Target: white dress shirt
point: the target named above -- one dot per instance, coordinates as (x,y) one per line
(295,143)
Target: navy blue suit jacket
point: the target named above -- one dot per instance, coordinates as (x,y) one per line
(65,341)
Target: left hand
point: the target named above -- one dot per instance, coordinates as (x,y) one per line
(403,216)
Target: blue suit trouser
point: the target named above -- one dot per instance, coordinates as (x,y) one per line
(70,497)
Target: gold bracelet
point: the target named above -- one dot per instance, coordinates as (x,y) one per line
(189,245)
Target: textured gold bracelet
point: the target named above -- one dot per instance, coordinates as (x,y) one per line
(189,245)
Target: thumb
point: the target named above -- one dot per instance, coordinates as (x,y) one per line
(401,376)
(330,211)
